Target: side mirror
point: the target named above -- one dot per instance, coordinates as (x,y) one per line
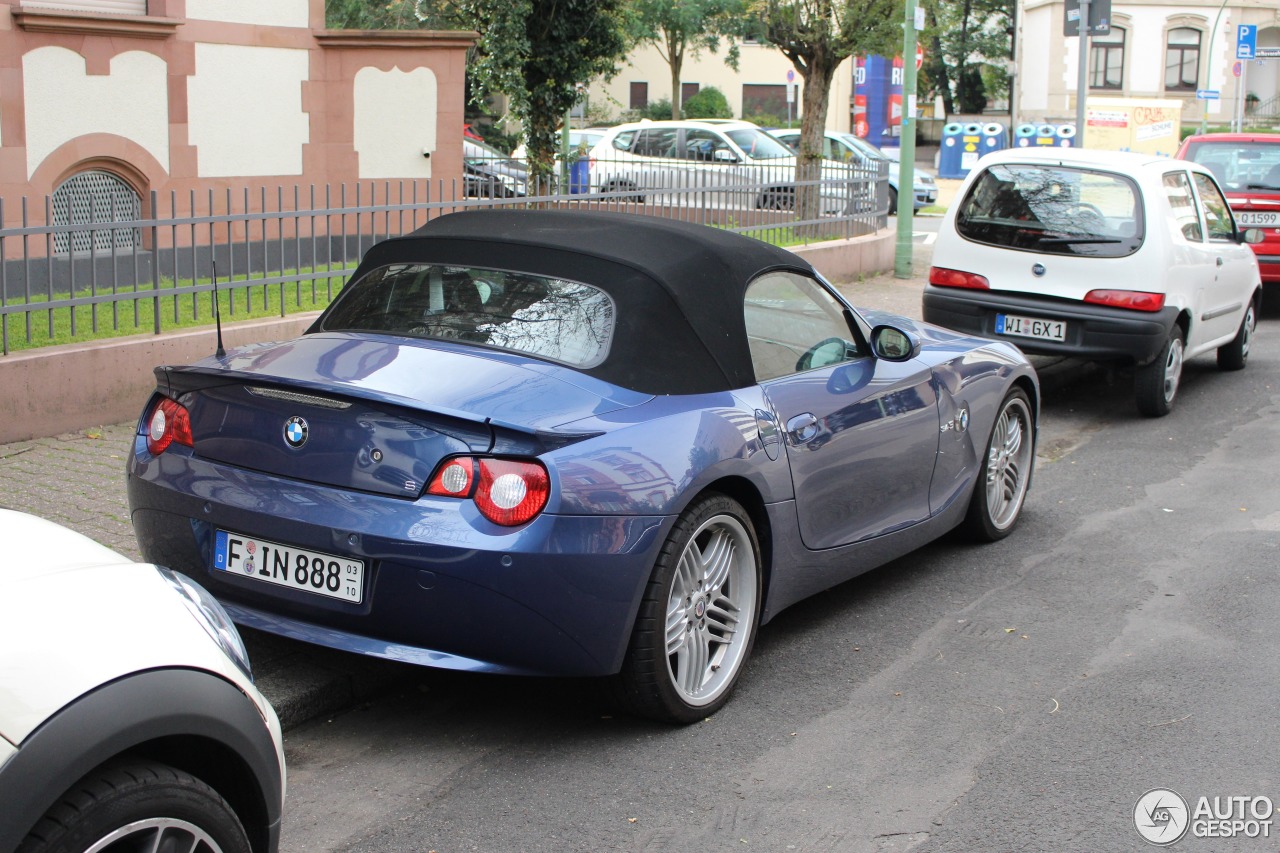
(1251,235)
(893,344)
(724,156)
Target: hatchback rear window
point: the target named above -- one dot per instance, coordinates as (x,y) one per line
(556,319)
(1240,166)
(1053,209)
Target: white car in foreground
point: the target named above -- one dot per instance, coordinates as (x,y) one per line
(1098,255)
(128,716)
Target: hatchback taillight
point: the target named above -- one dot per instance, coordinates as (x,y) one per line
(1136,300)
(168,422)
(506,491)
(944,277)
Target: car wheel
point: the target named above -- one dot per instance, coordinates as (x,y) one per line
(1157,383)
(138,806)
(893,202)
(998,496)
(697,620)
(1235,355)
(623,187)
(777,198)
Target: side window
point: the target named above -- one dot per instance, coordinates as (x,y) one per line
(1217,213)
(622,141)
(702,145)
(1177,189)
(793,325)
(656,143)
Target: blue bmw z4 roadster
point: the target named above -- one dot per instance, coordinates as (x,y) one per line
(584,444)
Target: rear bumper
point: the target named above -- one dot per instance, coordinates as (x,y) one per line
(442,588)
(1269,266)
(1093,331)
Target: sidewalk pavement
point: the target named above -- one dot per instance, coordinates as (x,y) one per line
(78,480)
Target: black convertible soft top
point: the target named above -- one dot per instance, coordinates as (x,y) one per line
(678,287)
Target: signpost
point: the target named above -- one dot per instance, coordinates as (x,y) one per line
(1246,48)
(907,150)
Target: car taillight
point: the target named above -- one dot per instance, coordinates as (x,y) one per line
(506,491)
(1136,300)
(169,422)
(944,277)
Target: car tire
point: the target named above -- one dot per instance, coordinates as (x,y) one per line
(1157,383)
(623,187)
(893,202)
(698,617)
(777,198)
(1001,487)
(138,805)
(1235,355)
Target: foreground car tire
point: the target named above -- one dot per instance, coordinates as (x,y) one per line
(138,806)
(1235,355)
(1157,383)
(698,618)
(1001,488)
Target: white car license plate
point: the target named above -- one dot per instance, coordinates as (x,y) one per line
(1257,217)
(284,565)
(1031,327)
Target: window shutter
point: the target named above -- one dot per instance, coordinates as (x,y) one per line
(110,7)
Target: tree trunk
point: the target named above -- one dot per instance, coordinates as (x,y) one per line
(813,123)
(938,67)
(675,54)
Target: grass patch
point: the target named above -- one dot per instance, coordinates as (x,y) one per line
(119,315)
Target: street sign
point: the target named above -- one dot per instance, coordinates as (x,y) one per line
(1099,17)
(791,75)
(1207,94)
(1237,68)
(919,56)
(1267,52)
(1246,41)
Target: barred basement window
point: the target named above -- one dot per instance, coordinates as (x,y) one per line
(95,197)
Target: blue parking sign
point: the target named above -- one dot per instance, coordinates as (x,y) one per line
(1246,41)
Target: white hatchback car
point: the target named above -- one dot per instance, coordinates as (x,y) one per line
(1099,255)
(717,160)
(128,717)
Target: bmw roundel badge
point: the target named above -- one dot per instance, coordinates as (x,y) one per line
(295,431)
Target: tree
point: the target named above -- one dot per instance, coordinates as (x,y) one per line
(817,36)
(963,36)
(537,52)
(681,29)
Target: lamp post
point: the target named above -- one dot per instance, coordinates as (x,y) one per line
(1208,67)
(907,147)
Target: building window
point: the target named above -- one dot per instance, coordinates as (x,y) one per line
(110,7)
(639,96)
(1106,60)
(1182,60)
(759,99)
(94,197)
(688,90)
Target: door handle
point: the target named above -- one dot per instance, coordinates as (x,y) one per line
(803,427)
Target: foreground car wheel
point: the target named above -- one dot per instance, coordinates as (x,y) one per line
(1157,382)
(997,498)
(698,618)
(138,806)
(1235,355)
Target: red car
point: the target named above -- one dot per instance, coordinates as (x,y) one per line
(1247,165)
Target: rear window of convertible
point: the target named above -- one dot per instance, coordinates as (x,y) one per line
(552,318)
(1054,210)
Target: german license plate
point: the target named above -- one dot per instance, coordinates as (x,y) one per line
(1257,217)
(1031,327)
(284,565)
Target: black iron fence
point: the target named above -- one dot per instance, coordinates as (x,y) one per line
(73,269)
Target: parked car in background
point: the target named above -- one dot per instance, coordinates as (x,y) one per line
(578,136)
(1247,166)
(478,459)
(849,148)
(488,173)
(469,132)
(1100,255)
(734,161)
(128,716)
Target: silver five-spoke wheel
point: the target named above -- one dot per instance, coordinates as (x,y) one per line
(1006,471)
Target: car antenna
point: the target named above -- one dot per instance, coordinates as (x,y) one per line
(217,312)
